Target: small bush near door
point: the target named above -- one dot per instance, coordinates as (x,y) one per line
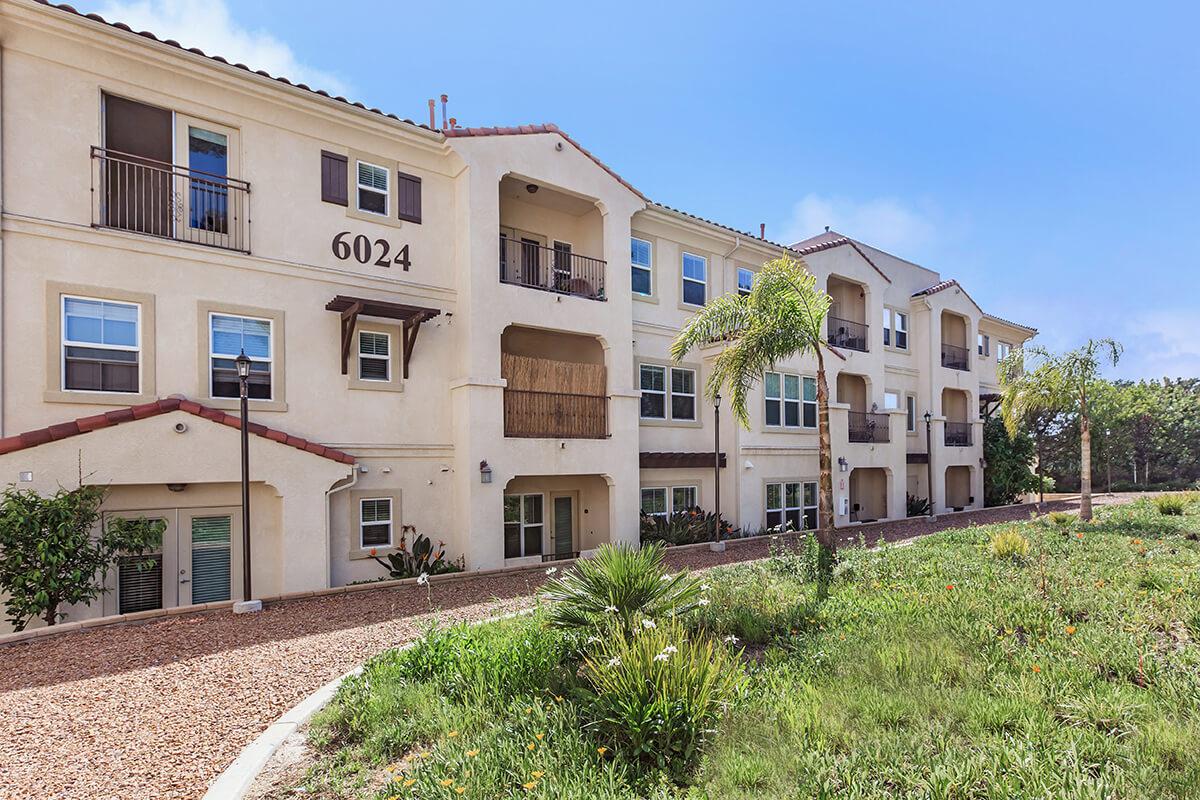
(422,558)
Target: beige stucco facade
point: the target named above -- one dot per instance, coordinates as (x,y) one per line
(534,369)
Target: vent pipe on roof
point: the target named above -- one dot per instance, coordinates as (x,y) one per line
(827,229)
(762,230)
(432,117)
(444,99)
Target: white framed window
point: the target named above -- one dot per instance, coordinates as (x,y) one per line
(683,498)
(654,501)
(101,345)
(683,393)
(373,188)
(375,522)
(641,261)
(891,400)
(653,382)
(1003,350)
(695,279)
(792,505)
(374,356)
(984,344)
(910,413)
(231,335)
(524,524)
(745,280)
(895,328)
(791,400)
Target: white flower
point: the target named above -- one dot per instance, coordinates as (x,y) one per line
(703,601)
(661,657)
(552,570)
(648,623)
(423,580)
(614,662)
(611,609)
(664,577)
(670,649)
(704,587)
(731,639)
(592,639)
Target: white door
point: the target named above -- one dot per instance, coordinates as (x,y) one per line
(209,555)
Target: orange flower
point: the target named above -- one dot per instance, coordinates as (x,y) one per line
(601,750)
(949,587)
(372,552)
(410,782)
(461,789)
(531,747)
(529,786)
(1070,630)
(446,781)
(1079,536)
(1137,541)
(539,736)
(1036,668)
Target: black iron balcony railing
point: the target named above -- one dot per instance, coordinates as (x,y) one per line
(847,334)
(551,269)
(154,198)
(958,434)
(555,415)
(868,427)
(956,357)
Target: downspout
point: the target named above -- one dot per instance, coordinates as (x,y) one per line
(3,337)
(340,486)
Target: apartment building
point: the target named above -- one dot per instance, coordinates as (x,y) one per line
(465,330)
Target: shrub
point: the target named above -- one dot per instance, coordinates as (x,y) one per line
(917,506)
(421,559)
(1170,505)
(691,526)
(659,695)
(1062,519)
(619,581)
(1009,544)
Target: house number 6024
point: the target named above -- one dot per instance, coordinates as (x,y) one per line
(364,251)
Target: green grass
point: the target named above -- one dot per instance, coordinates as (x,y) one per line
(933,670)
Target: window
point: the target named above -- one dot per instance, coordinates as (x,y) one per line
(786,405)
(1003,349)
(695,279)
(654,502)
(792,505)
(895,328)
(372,188)
(683,394)
(374,356)
(985,344)
(230,336)
(745,280)
(654,392)
(375,521)
(523,525)
(208,196)
(683,498)
(642,266)
(910,411)
(101,345)
(891,400)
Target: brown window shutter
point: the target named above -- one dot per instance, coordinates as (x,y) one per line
(408,197)
(333,178)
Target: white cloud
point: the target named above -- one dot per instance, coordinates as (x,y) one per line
(1160,343)
(883,222)
(207,24)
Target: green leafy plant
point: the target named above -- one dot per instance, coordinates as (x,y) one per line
(1008,544)
(659,695)
(419,559)
(1170,505)
(56,553)
(1061,519)
(1008,475)
(619,583)
(917,506)
(690,526)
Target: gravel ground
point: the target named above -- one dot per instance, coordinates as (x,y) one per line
(157,710)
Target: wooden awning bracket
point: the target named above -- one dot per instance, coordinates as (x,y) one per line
(410,318)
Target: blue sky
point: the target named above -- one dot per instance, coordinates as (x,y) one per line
(1045,154)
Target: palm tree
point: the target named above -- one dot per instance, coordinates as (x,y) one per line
(1060,382)
(782,317)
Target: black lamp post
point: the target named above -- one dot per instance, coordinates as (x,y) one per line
(717,465)
(243,371)
(929,458)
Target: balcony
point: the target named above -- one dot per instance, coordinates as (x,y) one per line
(551,269)
(847,334)
(167,201)
(868,427)
(555,415)
(958,434)
(955,357)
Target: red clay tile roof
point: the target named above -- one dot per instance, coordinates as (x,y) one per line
(1004,321)
(829,244)
(937,287)
(171,42)
(108,419)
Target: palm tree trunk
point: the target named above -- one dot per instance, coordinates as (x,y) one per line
(826,535)
(1085,461)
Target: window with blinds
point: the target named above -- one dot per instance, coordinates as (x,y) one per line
(139,587)
(376,521)
(374,356)
(100,345)
(229,337)
(211,580)
(372,188)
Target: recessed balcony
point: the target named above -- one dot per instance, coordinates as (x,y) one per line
(868,427)
(527,262)
(955,357)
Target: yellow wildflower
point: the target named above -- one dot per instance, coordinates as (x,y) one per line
(539,736)
(1071,630)
(531,746)
(461,789)
(446,781)
(537,774)
(409,782)
(529,786)
(452,734)
(472,753)
(601,750)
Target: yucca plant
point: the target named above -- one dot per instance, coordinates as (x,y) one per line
(620,583)
(1061,519)
(1170,505)
(1009,544)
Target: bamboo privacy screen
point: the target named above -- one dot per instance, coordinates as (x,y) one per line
(547,398)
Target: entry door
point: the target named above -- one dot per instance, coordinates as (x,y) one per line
(531,262)
(209,210)
(137,174)
(564,525)
(209,555)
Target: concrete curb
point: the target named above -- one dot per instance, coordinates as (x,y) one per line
(238,777)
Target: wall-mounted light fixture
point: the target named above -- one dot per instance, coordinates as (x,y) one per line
(485,472)
(843,465)
(176,487)
(531,188)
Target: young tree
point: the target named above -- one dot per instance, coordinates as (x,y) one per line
(782,317)
(1060,382)
(53,554)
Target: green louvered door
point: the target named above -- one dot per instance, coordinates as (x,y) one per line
(206,557)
